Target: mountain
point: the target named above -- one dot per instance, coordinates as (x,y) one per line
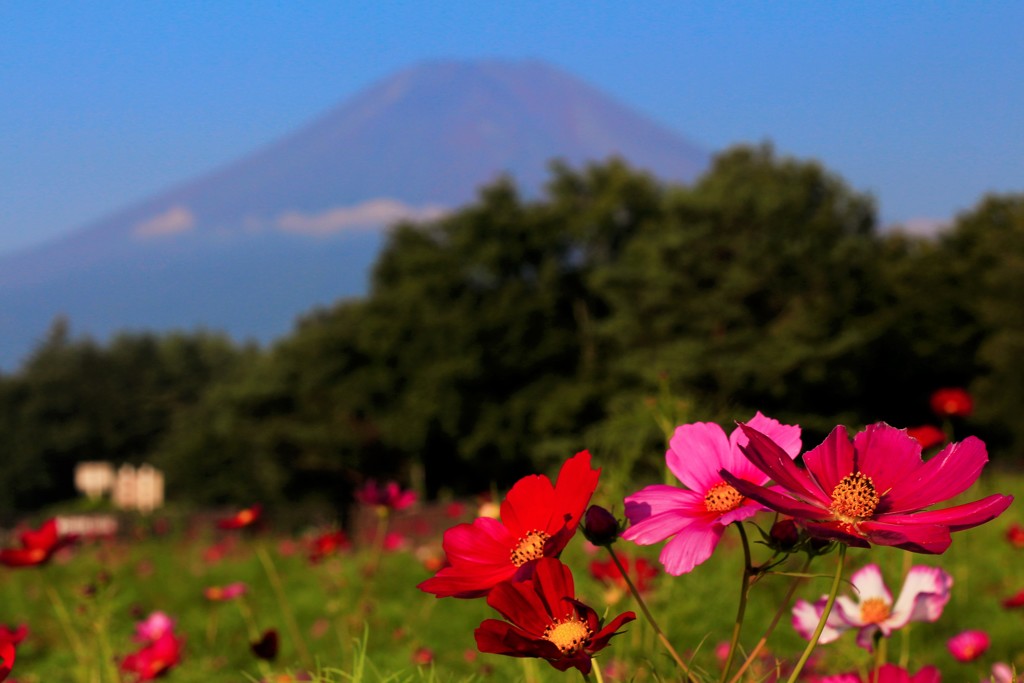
(251,246)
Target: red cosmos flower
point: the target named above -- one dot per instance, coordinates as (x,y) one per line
(37,547)
(389,496)
(875,490)
(7,654)
(927,435)
(544,619)
(951,402)
(327,544)
(160,651)
(1016,600)
(13,635)
(537,520)
(1015,535)
(242,518)
(640,571)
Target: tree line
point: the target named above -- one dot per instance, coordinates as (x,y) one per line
(516,331)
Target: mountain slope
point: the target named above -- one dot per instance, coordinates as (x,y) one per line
(296,224)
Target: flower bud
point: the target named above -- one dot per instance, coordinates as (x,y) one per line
(784,534)
(599,526)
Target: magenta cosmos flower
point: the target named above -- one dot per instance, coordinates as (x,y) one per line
(968,645)
(887,673)
(872,610)
(537,520)
(545,620)
(694,518)
(874,490)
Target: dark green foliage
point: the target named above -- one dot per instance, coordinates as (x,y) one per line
(510,334)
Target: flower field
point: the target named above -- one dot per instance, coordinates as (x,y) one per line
(189,598)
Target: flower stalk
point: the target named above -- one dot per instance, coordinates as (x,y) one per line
(836,581)
(650,618)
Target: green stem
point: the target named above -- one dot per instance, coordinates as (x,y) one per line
(905,631)
(742,607)
(881,645)
(783,608)
(597,672)
(282,601)
(650,618)
(65,622)
(836,581)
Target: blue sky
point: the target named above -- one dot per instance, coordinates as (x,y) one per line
(106,102)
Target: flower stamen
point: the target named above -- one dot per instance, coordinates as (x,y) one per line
(722,498)
(569,634)
(529,547)
(854,498)
(874,610)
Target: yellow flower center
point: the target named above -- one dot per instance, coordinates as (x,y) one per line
(529,547)
(854,498)
(874,610)
(722,498)
(568,634)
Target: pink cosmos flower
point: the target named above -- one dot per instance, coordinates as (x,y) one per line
(389,496)
(694,518)
(924,594)
(874,490)
(225,593)
(968,645)
(1002,673)
(153,627)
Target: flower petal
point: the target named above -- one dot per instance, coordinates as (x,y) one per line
(806,617)
(948,474)
(932,539)
(660,511)
(696,452)
(924,594)
(831,460)
(690,547)
(868,583)
(771,498)
(887,455)
(958,517)
(776,463)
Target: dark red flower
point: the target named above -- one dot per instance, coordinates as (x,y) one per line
(390,496)
(266,646)
(951,402)
(1015,600)
(537,520)
(1015,535)
(544,619)
(7,654)
(874,490)
(640,571)
(13,635)
(241,519)
(328,543)
(927,435)
(37,546)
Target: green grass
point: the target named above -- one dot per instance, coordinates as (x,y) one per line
(360,627)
